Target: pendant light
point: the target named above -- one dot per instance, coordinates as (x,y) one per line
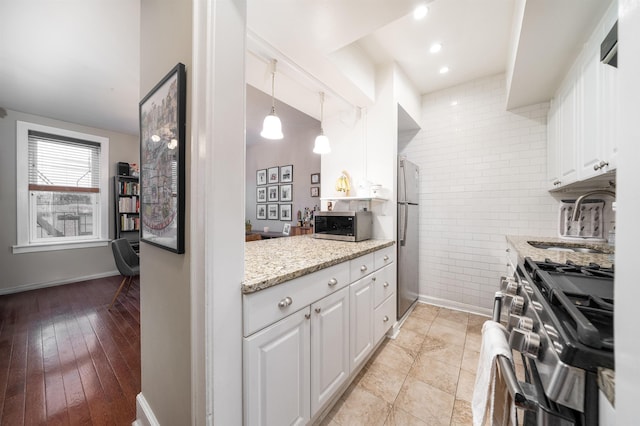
(272,127)
(322,142)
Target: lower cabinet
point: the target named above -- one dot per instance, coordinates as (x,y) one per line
(362,343)
(329,347)
(296,361)
(277,373)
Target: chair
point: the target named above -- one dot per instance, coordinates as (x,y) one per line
(127,261)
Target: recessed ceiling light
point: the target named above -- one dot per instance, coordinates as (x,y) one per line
(420,12)
(444,70)
(435,48)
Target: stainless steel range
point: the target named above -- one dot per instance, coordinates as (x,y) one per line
(560,318)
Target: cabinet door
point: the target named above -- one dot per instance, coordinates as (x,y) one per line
(568,135)
(277,373)
(553,146)
(329,347)
(609,108)
(361,316)
(589,117)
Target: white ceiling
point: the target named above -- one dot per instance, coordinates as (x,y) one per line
(78,61)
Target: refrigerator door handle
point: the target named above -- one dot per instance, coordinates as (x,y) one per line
(404,182)
(403,224)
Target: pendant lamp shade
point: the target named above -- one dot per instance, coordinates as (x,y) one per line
(272,127)
(321,145)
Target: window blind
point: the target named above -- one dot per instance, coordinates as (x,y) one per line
(59,163)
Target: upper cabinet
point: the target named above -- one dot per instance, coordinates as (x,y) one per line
(582,140)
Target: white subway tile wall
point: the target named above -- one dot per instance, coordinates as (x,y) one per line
(483,176)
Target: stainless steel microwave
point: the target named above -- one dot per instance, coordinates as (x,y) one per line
(343,226)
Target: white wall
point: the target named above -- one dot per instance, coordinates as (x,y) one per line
(627,291)
(482,177)
(26,271)
(165,310)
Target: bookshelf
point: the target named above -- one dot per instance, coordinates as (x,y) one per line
(126,191)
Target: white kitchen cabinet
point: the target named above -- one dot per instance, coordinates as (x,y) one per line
(277,372)
(608,99)
(562,139)
(384,316)
(590,152)
(329,347)
(362,304)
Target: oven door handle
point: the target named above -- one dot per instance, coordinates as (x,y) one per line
(525,400)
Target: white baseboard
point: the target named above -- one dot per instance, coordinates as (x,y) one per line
(450,304)
(144,413)
(35,286)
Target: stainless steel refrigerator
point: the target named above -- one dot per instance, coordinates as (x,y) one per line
(408,194)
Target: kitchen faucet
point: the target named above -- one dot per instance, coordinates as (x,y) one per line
(576,207)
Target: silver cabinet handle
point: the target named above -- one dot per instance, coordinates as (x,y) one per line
(332,282)
(285,302)
(318,310)
(307,316)
(363,268)
(600,165)
(385,285)
(373,278)
(385,258)
(385,319)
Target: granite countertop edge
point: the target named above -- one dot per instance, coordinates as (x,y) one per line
(524,249)
(296,265)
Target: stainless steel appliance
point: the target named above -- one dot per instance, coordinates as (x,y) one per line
(560,319)
(408,197)
(343,225)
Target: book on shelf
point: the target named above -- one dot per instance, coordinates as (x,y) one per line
(129,205)
(129,188)
(129,223)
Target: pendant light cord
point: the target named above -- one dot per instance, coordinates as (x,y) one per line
(273,86)
(321,113)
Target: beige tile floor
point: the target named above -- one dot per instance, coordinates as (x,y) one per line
(423,377)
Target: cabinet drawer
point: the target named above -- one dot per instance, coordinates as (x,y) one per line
(385,283)
(361,266)
(384,317)
(384,256)
(262,307)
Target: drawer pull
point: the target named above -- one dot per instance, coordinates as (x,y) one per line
(373,278)
(385,285)
(332,282)
(363,268)
(385,319)
(285,302)
(318,310)
(307,316)
(385,258)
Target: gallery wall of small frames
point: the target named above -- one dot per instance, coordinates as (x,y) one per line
(274,193)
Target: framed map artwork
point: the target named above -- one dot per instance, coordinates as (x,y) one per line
(162,150)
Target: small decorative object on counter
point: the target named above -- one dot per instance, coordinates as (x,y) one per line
(343,184)
(247,225)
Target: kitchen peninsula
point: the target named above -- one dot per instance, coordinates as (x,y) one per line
(313,312)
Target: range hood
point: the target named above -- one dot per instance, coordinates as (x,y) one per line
(609,47)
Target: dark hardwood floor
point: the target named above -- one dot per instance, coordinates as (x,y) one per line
(67,360)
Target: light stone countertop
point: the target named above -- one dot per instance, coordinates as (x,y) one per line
(277,260)
(524,249)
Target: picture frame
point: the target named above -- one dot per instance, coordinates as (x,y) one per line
(286,229)
(162,118)
(261,177)
(286,174)
(315,178)
(286,192)
(272,211)
(261,195)
(272,193)
(273,173)
(285,212)
(315,191)
(261,211)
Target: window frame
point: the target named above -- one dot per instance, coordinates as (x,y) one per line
(23,219)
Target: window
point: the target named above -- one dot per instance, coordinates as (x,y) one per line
(62,179)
